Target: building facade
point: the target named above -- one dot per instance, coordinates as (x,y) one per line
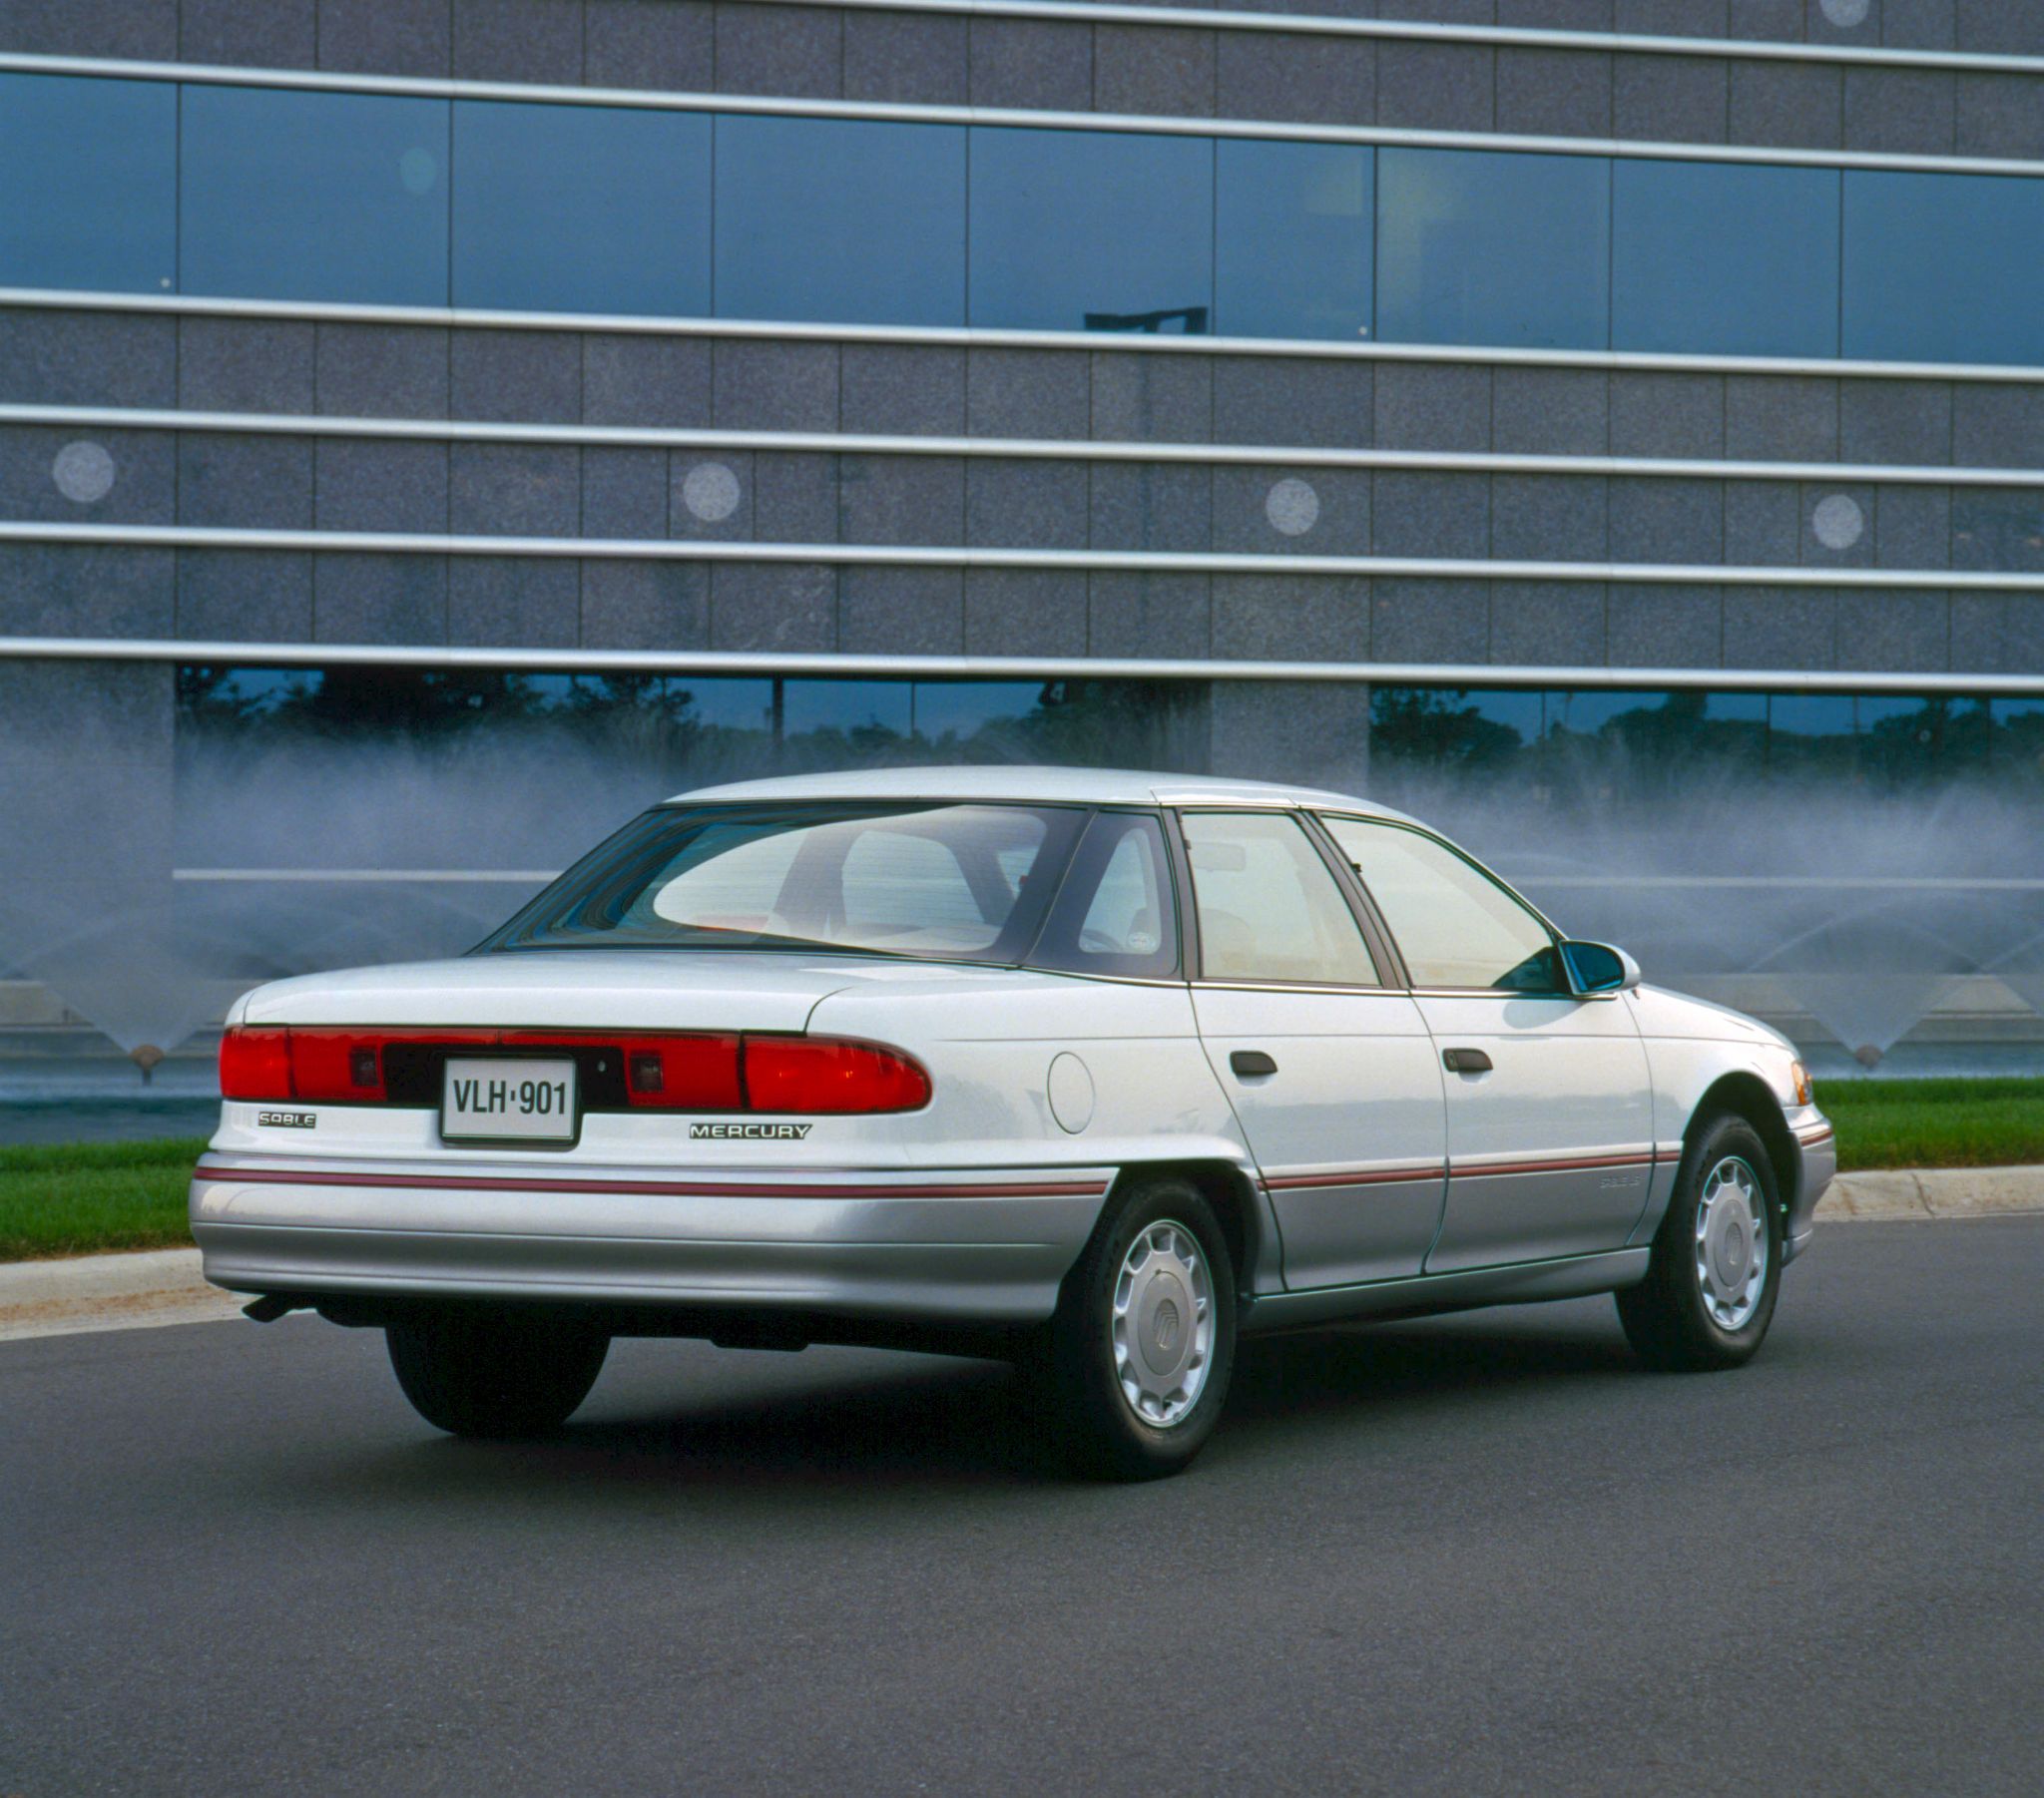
(1472,349)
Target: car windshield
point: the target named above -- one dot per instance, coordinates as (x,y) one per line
(949,882)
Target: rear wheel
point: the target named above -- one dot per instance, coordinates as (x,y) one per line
(1137,1365)
(1716,1269)
(493,1374)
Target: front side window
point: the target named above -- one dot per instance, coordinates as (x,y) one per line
(1454,925)
(1267,906)
(942,881)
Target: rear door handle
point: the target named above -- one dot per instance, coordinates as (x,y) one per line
(1248,1062)
(1465,1061)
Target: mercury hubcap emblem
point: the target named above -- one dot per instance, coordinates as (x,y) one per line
(1732,1242)
(1162,1325)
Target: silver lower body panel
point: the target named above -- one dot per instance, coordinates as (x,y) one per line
(1574,1276)
(965,1246)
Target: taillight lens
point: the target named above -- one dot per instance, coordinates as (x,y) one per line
(818,1075)
(683,1074)
(343,1065)
(255,1064)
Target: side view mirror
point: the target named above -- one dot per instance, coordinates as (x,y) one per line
(1597,971)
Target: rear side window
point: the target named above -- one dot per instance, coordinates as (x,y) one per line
(1454,925)
(1268,908)
(1115,913)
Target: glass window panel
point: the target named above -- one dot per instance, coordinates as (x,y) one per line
(727,704)
(1489,246)
(295,196)
(1943,267)
(1268,909)
(1293,229)
(1453,924)
(1448,729)
(575,209)
(1724,259)
(847,706)
(1113,914)
(849,222)
(1092,230)
(961,708)
(90,200)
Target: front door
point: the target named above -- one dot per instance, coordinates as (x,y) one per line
(1334,1080)
(1549,1102)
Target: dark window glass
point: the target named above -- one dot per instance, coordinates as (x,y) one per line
(90,200)
(1943,267)
(1291,234)
(1092,230)
(1113,914)
(1444,729)
(1486,247)
(1812,734)
(291,196)
(572,208)
(849,222)
(926,880)
(1724,259)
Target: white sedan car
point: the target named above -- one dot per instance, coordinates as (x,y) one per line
(1097,1072)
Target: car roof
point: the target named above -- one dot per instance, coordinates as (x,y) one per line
(1025,784)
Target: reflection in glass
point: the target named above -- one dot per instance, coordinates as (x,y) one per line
(90,196)
(1291,234)
(1483,247)
(853,221)
(1715,259)
(575,209)
(1449,729)
(1076,230)
(1943,267)
(846,708)
(292,196)
(959,708)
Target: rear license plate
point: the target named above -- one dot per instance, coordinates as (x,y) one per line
(487,1098)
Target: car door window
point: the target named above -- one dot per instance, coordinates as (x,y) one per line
(1268,909)
(1113,915)
(1454,925)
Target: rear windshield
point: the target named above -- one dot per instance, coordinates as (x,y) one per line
(940,881)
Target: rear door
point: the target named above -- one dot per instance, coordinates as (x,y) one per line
(1333,1078)
(1549,1105)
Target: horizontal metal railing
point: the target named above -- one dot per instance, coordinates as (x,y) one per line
(218,652)
(1009,449)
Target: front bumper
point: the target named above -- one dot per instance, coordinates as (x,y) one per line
(1816,1151)
(956,1247)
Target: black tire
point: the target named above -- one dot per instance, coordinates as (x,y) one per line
(493,1374)
(1077,1387)
(1668,1317)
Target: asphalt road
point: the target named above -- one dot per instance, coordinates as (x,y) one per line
(1481,1553)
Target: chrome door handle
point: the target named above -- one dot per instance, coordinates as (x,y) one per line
(1465,1061)
(1250,1063)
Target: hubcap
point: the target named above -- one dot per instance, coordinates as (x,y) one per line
(1732,1242)
(1162,1327)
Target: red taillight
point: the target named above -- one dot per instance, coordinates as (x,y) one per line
(255,1064)
(681,1072)
(818,1075)
(343,1064)
(685,1073)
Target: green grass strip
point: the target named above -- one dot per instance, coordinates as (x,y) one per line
(1935,1123)
(81,1199)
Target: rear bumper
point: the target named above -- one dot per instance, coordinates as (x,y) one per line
(954,1246)
(1816,1151)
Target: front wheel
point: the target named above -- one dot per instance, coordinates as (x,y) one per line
(1143,1342)
(1716,1269)
(494,1374)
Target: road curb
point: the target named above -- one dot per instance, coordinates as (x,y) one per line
(163,1287)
